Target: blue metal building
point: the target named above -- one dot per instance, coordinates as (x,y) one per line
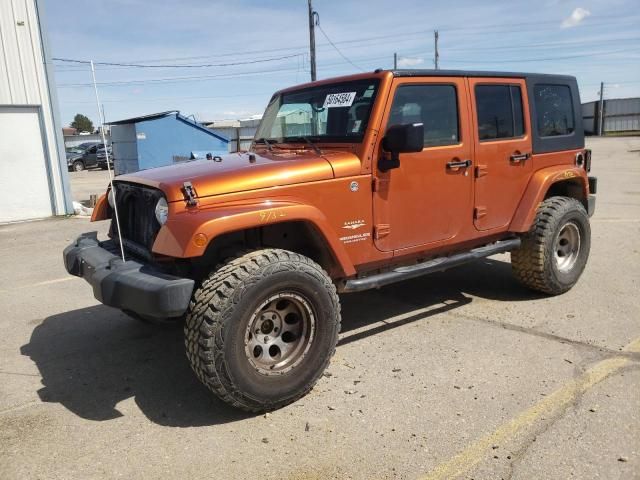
(161,139)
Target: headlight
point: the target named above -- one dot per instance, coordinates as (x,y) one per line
(111,198)
(162,211)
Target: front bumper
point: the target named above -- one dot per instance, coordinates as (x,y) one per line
(127,285)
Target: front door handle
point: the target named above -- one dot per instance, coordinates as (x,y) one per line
(519,157)
(459,164)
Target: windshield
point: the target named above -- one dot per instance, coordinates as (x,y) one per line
(329,113)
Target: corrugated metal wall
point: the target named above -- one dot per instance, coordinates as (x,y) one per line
(621,115)
(125,148)
(160,142)
(75,140)
(27,81)
(240,136)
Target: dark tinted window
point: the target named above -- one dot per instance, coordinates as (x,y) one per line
(499,111)
(435,106)
(518,120)
(554,110)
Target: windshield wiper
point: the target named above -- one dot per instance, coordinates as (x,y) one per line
(313,145)
(266,142)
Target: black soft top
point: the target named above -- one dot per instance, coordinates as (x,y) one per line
(475,73)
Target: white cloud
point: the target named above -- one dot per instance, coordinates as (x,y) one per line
(409,62)
(576,18)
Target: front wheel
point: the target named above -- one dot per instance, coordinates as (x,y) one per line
(554,253)
(262,328)
(78,166)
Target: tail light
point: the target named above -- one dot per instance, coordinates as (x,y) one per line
(587,159)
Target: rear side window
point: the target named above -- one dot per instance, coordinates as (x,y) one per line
(435,106)
(554,110)
(499,110)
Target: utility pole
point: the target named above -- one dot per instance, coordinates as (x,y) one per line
(601,110)
(395,61)
(436,56)
(312,41)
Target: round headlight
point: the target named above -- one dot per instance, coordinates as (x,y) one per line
(111,197)
(162,211)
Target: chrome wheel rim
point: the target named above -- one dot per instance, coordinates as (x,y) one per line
(279,333)
(567,247)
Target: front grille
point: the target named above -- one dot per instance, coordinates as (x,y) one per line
(136,212)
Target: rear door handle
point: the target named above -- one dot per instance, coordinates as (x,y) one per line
(459,164)
(519,157)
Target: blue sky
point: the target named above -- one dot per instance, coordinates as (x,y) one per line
(268,41)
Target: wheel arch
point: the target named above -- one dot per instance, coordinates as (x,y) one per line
(549,182)
(299,236)
(295,227)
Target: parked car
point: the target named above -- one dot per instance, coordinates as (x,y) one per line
(75,160)
(102,157)
(93,156)
(351,183)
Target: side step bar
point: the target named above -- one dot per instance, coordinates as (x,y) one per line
(430,266)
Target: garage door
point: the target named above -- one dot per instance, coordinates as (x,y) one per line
(24,188)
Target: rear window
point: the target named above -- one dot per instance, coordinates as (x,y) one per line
(499,109)
(554,110)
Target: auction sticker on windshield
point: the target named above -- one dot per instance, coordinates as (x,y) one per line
(339,99)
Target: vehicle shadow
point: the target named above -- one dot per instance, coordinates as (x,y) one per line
(94,358)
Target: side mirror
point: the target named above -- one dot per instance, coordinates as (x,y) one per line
(399,139)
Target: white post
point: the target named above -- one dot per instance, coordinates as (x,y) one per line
(106,152)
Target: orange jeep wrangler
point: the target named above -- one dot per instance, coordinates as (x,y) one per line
(351,183)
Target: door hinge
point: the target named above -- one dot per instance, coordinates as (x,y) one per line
(381,230)
(481,171)
(379,184)
(479,212)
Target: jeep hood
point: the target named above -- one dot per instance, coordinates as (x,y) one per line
(239,172)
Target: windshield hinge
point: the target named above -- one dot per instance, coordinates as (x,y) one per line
(190,195)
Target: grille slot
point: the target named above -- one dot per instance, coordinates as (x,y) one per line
(136,212)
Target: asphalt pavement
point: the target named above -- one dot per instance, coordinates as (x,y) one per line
(461,374)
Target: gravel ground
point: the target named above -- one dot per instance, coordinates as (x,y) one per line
(459,374)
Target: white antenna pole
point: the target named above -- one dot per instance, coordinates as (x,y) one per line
(106,152)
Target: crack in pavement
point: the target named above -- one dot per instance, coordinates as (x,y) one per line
(536,417)
(518,455)
(603,351)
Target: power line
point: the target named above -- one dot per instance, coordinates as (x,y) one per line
(202,65)
(336,48)
(567,57)
(258,72)
(177,97)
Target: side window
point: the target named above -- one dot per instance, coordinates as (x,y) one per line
(554,110)
(499,111)
(92,149)
(435,106)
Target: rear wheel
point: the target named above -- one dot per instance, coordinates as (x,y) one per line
(554,253)
(262,328)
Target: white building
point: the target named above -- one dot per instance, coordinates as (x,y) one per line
(33,171)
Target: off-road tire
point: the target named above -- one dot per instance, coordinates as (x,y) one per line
(534,263)
(218,319)
(78,166)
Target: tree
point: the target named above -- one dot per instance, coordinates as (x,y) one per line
(82,123)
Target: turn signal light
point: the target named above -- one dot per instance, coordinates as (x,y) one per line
(200,239)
